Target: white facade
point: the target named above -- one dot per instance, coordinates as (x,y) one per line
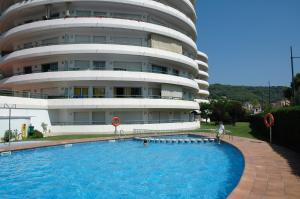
(202,78)
(76,64)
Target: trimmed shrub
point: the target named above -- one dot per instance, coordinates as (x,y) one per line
(286,129)
(37,134)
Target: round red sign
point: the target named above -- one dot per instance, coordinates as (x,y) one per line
(269,120)
(115,121)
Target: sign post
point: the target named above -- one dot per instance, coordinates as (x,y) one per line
(115,122)
(269,122)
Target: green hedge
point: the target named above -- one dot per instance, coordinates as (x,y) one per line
(286,129)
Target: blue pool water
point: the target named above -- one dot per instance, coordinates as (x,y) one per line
(122,170)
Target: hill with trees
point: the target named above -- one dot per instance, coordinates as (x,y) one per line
(254,94)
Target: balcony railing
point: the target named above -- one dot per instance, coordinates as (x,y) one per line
(23,94)
(26,94)
(112,15)
(81,68)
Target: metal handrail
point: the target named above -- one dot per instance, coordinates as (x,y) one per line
(100,69)
(27,94)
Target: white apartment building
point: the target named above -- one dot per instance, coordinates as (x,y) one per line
(75,64)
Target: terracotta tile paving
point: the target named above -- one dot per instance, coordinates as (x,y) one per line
(270,171)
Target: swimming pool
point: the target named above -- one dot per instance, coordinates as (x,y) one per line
(122,169)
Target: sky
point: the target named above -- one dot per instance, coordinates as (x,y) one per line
(248,41)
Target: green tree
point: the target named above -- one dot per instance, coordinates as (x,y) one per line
(288,92)
(235,111)
(219,111)
(206,110)
(227,111)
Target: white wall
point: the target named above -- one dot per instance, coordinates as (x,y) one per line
(37,117)
(16,124)
(109,129)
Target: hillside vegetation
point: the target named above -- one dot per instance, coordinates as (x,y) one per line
(246,93)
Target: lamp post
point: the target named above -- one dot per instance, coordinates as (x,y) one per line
(9,107)
(292,67)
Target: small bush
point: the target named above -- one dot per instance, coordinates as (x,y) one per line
(7,135)
(36,134)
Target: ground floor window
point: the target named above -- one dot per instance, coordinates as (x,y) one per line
(81,118)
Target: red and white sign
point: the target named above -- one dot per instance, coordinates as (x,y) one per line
(115,121)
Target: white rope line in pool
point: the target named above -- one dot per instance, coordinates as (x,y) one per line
(176,140)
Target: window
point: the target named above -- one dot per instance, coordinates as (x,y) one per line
(100,14)
(128,92)
(99,39)
(83,13)
(99,65)
(175,72)
(159,69)
(98,117)
(98,92)
(82,39)
(119,92)
(50,67)
(80,92)
(81,65)
(81,118)
(136,92)
(28,69)
(28,45)
(128,16)
(54,15)
(50,41)
(128,66)
(155,92)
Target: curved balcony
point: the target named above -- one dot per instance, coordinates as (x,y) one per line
(202,56)
(185,6)
(145,4)
(202,64)
(95,49)
(202,83)
(60,25)
(203,73)
(109,76)
(121,103)
(102,103)
(203,92)
(202,101)
(190,5)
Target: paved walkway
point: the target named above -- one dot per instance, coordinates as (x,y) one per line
(270,171)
